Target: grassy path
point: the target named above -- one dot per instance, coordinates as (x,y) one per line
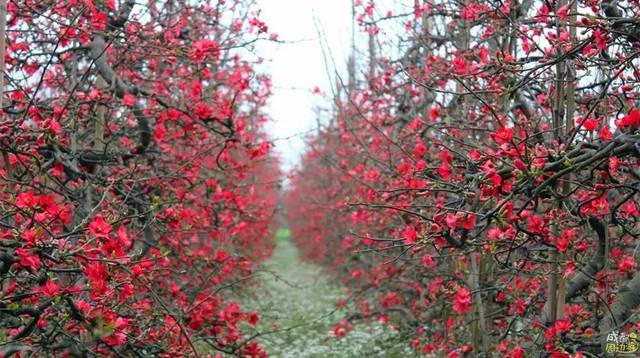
(296,294)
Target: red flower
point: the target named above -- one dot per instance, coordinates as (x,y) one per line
(629,209)
(116,339)
(390,299)
(415,124)
(605,133)
(630,120)
(99,21)
(113,248)
(260,150)
(98,227)
(253,349)
(518,352)
(260,25)
(468,221)
(460,65)
(543,13)
(562,326)
(420,149)
(451,221)
(444,171)
(129,100)
(28,259)
(50,289)
(563,12)
(126,291)
(203,48)
(590,124)
(221,256)
(341,329)
(503,135)
(495,179)
(599,206)
(519,164)
(202,111)
(626,265)
(536,225)
(562,243)
(445,156)
(519,307)
(254,317)
(467,348)
(600,39)
(410,235)
(30,236)
(614,164)
(26,200)
(462,300)
(434,113)
(96,271)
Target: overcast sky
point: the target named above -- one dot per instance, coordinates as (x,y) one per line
(297,66)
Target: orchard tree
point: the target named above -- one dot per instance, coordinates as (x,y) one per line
(477,185)
(136,186)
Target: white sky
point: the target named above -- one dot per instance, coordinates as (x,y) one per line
(297,66)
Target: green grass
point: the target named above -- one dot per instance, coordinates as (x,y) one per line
(283,234)
(297,299)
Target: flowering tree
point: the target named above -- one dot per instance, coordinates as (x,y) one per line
(478,189)
(137,185)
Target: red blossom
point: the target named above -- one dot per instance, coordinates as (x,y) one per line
(202,48)
(390,299)
(518,307)
(99,227)
(445,171)
(50,289)
(202,111)
(420,149)
(590,124)
(99,21)
(26,200)
(630,120)
(503,135)
(562,243)
(129,100)
(462,301)
(28,259)
(562,326)
(563,11)
(342,329)
(410,235)
(630,209)
(517,352)
(254,317)
(601,39)
(626,265)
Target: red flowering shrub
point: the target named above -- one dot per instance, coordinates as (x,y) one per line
(482,179)
(136,185)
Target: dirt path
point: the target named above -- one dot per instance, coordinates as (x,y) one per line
(296,294)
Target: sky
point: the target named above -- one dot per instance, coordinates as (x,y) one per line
(297,65)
